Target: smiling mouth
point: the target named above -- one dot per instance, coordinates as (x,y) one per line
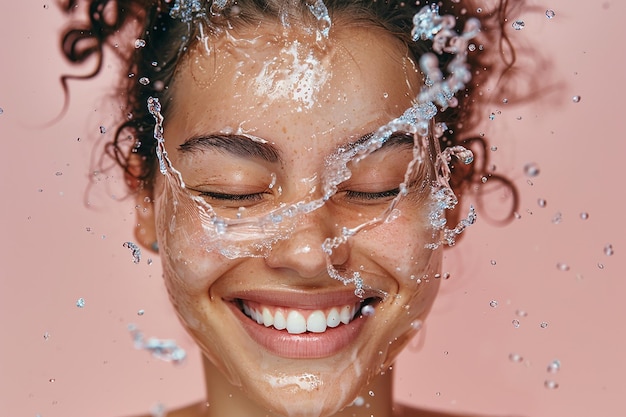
(298,321)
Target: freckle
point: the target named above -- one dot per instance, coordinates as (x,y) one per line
(284,129)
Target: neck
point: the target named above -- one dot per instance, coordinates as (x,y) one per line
(225,399)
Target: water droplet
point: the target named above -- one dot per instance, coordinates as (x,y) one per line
(358,401)
(158,410)
(576,99)
(518,25)
(140,43)
(550,384)
(492,116)
(483,180)
(446,275)
(144,81)
(46,336)
(140,312)
(531,169)
(1,110)
(135,251)
(505,100)
(368,310)
(494,148)
(149,261)
(80,303)
(51,380)
(562,266)
(493,303)
(58,173)
(550,13)
(493,262)
(371,393)
(600,265)
(543,324)
(471,47)
(584,215)
(608,249)
(103,130)
(385,95)
(541,202)
(514,357)
(416,325)
(557,218)
(516,323)
(554,366)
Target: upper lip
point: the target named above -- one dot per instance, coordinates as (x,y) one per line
(302,299)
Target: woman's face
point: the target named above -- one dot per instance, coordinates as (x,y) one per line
(253,123)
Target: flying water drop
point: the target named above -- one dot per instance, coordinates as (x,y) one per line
(562,266)
(531,169)
(518,25)
(135,250)
(554,366)
(550,14)
(550,384)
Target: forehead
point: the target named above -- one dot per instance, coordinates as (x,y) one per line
(269,80)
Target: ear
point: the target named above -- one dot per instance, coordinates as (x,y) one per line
(145,226)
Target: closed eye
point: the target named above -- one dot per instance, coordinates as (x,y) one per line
(232,197)
(361,195)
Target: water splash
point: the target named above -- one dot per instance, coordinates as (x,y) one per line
(254,235)
(135,251)
(164,349)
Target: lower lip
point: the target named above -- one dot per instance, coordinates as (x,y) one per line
(304,345)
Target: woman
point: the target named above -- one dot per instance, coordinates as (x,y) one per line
(287,158)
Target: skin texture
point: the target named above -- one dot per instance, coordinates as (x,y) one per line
(263,84)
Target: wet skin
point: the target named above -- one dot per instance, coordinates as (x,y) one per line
(304,104)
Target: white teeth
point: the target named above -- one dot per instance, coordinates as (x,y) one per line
(268,319)
(346,314)
(333,318)
(316,322)
(280,322)
(296,323)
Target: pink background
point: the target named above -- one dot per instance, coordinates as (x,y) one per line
(55,248)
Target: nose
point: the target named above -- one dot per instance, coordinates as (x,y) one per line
(302,251)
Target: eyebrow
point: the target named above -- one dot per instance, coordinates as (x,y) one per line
(397,139)
(237,145)
(244,147)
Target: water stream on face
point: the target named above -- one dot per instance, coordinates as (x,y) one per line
(254,236)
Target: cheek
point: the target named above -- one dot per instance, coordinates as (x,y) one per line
(189,268)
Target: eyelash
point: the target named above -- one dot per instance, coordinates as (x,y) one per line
(233,197)
(353,195)
(360,195)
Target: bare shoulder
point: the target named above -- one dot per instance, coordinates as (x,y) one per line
(402,410)
(193,410)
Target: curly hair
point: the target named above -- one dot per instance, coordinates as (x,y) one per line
(161,42)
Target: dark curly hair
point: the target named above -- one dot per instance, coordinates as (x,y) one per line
(162,40)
